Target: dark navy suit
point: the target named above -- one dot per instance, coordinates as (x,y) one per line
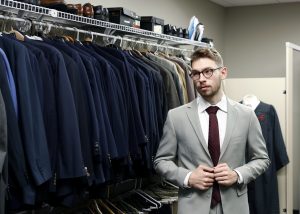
(69,156)
(113,93)
(84,103)
(3,154)
(137,136)
(18,172)
(31,120)
(263,192)
(107,142)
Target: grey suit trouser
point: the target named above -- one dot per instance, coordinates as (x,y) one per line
(217,209)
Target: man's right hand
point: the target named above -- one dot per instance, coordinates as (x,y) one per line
(201,178)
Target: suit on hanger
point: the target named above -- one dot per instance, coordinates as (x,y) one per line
(18,172)
(85,106)
(149,102)
(111,94)
(31,121)
(259,191)
(69,161)
(169,84)
(94,68)
(171,68)
(184,141)
(118,116)
(162,88)
(138,140)
(47,100)
(3,154)
(115,97)
(189,82)
(129,90)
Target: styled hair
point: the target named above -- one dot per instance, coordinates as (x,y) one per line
(210,53)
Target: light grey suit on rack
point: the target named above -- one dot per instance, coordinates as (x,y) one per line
(183,148)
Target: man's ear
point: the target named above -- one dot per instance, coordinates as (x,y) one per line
(223,73)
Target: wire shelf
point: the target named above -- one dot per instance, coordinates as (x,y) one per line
(38,13)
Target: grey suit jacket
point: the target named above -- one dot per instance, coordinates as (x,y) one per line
(183,148)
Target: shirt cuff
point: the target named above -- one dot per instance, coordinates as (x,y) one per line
(240,177)
(186,180)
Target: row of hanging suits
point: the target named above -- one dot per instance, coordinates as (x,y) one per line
(81,115)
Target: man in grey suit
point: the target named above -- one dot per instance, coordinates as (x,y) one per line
(211,184)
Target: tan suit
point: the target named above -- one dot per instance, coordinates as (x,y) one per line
(183,148)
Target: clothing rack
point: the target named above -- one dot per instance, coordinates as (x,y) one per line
(25,16)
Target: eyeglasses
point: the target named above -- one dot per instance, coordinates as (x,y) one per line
(207,73)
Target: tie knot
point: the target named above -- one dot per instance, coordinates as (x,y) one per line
(212,109)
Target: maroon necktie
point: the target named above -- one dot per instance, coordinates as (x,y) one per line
(214,148)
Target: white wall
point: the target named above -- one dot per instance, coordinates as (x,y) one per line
(255,39)
(175,12)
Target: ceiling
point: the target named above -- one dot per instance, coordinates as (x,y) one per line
(236,3)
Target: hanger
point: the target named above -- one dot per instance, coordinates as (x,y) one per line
(151,200)
(165,182)
(121,41)
(251,100)
(129,47)
(114,207)
(156,50)
(124,206)
(96,207)
(11,30)
(114,45)
(91,211)
(76,35)
(104,207)
(89,39)
(4,26)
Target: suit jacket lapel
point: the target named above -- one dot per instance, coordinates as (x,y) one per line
(192,114)
(231,121)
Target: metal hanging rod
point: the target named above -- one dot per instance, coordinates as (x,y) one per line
(50,26)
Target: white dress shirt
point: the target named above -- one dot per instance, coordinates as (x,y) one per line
(204,122)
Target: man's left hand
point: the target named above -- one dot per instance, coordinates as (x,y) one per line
(224,175)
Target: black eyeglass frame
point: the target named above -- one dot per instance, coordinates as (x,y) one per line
(207,73)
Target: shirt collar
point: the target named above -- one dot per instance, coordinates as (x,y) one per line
(203,104)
